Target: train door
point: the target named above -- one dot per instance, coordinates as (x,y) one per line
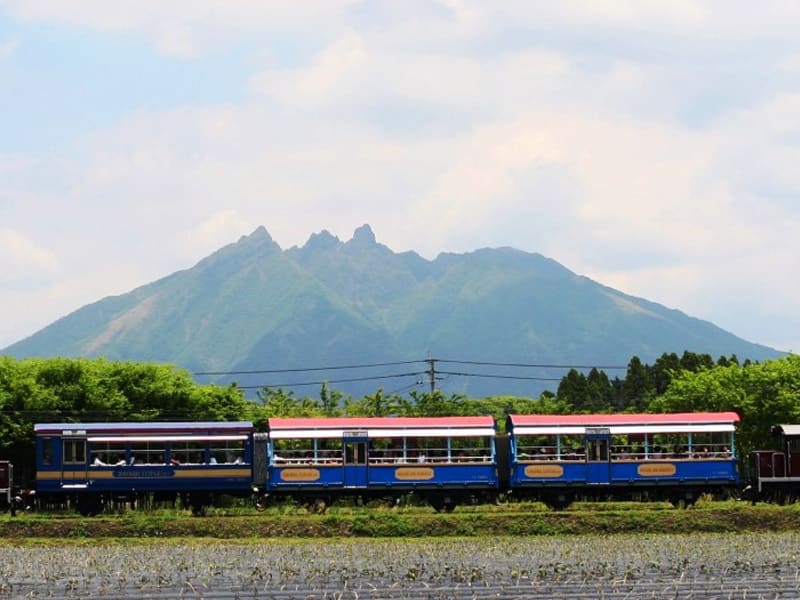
(598,455)
(73,461)
(355,467)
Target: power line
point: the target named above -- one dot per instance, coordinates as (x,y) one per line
(431,372)
(496,376)
(350,380)
(429,361)
(529,365)
(308,369)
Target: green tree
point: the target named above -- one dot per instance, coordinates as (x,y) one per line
(662,371)
(599,393)
(637,389)
(573,390)
(762,394)
(378,405)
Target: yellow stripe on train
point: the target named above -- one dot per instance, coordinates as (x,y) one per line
(95,474)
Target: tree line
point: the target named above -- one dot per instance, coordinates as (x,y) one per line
(90,390)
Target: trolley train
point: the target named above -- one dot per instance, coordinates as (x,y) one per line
(445,460)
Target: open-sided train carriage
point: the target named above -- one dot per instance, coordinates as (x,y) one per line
(677,457)
(447,460)
(95,464)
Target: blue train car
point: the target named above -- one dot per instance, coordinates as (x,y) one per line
(444,459)
(677,457)
(91,464)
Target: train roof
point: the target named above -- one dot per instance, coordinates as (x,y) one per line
(624,423)
(337,427)
(141,427)
(787,430)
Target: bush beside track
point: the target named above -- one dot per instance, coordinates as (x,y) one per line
(519,520)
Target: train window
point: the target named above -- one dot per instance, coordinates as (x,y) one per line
(672,446)
(355,453)
(148,453)
(74,452)
(329,451)
(188,453)
(597,450)
(228,452)
(710,445)
(47,451)
(431,450)
(572,447)
(470,449)
(108,453)
(624,447)
(537,447)
(321,451)
(793,444)
(385,450)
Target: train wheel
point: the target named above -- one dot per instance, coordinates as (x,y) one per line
(89,505)
(558,500)
(442,502)
(319,505)
(683,500)
(199,503)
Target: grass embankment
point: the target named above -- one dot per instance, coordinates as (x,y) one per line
(518,520)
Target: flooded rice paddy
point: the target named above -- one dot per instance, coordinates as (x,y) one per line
(699,566)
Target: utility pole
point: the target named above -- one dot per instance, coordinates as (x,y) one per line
(431,373)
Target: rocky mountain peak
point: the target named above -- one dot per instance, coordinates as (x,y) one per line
(363,236)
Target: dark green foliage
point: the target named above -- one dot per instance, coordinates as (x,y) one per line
(638,387)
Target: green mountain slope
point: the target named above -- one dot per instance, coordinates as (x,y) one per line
(253,306)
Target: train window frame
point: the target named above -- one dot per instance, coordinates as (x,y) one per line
(292,451)
(228,452)
(189,452)
(470,449)
(550,447)
(73,451)
(108,454)
(48,447)
(148,453)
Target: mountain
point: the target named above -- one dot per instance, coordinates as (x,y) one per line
(252,306)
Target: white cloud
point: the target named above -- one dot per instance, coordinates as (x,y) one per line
(22,261)
(186,28)
(219,229)
(320,83)
(8,47)
(594,133)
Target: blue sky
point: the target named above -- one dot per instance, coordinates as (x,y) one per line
(652,146)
